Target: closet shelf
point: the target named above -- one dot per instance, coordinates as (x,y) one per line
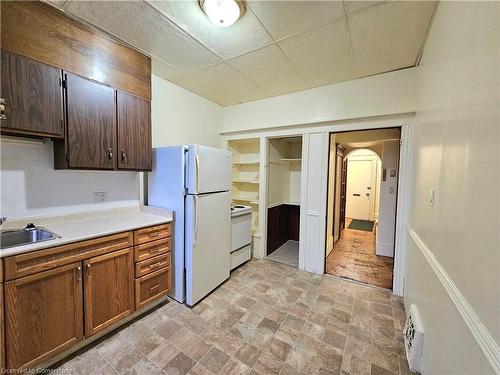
(245,162)
(249,200)
(291,159)
(243,181)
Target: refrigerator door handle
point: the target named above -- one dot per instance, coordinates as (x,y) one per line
(195,230)
(197,162)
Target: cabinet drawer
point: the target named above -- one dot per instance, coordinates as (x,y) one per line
(42,260)
(151,287)
(152,249)
(152,264)
(152,233)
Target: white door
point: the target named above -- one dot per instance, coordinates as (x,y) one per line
(207,243)
(209,170)
(359,199)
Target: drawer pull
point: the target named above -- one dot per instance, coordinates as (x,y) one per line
(154,251)
(154,287)
(154,265)
(154,234)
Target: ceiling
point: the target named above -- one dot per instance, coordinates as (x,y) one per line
(276,48)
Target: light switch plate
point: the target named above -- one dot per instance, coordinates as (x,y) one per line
(431,197)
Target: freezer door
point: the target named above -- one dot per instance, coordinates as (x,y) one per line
(207,243)
(208,170)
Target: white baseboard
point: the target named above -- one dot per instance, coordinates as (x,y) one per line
(485,341)
(385,249)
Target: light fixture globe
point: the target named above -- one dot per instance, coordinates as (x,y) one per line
(223,13)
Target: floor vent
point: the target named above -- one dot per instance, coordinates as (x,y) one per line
(414,336)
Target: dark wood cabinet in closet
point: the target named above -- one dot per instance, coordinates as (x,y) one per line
(90,108)
(283,223)
(134,132)
(31,97)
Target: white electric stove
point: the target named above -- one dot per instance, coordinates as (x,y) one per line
(241,235)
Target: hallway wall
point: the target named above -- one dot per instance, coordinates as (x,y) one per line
(453,269)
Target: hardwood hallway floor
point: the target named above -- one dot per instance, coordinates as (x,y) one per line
(353,257)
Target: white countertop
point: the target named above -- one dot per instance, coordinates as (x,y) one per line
(83,226)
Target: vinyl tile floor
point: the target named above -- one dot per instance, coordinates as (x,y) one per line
(287,253)
(268,318)
(353,257)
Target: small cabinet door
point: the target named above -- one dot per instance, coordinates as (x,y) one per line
(90,109)
(43,315)
(109,289)
(31,96)
(134,132)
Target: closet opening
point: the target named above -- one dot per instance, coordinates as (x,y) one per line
(361,206)
(283,199)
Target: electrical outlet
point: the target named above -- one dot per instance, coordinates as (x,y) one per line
(99,196)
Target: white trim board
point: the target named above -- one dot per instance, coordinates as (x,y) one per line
(404,121)
(485,341)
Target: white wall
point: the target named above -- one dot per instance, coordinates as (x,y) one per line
(30,186)
(453,270)
(180,117)
(383,94)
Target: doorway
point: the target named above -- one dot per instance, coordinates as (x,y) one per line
(283,199)
(361,205)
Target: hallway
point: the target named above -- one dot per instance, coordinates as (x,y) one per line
(353,257)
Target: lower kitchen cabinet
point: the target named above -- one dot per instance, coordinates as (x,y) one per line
(2,338)
(57,297)
(109,289)
(43,315)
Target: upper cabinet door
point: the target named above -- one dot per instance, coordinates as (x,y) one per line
(32,96)
(134,132)
(91,124)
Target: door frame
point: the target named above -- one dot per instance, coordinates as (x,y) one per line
(404,121)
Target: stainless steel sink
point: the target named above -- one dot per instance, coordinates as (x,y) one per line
(28,235)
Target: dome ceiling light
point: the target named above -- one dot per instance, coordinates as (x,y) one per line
(223,13)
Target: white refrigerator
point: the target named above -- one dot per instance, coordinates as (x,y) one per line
(194,182)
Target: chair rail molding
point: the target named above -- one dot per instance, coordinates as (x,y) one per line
(485,341)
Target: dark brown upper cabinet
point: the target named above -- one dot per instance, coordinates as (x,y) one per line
(90,109)
(31,96)
(133,131)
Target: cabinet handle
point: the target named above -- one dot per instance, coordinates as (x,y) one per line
(154,251)
(124,155)
(154,287)
(79,273)
(3,116)
(154,234)
(154,265)
(88,269)
(110,153)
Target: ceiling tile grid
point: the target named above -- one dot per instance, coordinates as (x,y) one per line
(277,47)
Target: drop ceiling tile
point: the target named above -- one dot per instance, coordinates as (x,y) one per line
(164,70)
(142,26)
(270,69)
(389,36)
(322,55)
(352,6)
(286,18)
(221,84)
(245,35)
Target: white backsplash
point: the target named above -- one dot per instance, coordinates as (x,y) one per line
(30,186)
